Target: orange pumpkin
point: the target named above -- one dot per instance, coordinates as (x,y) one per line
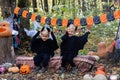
(53,21)
(64,22)
(90,21)
(33,17)
(100,69)
(99,72)
(24,13)
(43,20)
(76,22)
(24,69)
(117,14)
(5,29)
(103,18)
(16,10)
(101,52)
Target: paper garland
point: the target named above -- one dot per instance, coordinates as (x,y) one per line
(90,21)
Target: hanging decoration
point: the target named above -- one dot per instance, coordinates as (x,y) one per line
(24,13)
(90,21)
(33,17)
(53,21)
(103,18)
(64,22)
(43,20)
(96,20)
(77,22)
(117,14)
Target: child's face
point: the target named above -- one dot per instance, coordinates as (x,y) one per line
(44,35)
(71,31)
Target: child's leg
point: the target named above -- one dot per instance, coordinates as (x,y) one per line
(64,60)
(70,60)
(45,61)
(37,60)
(63,64)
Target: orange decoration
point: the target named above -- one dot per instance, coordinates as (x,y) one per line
(76,22)
(90,21)
(33,17)
(24,13)
(16,10)
(117,14)
(64,22)
(103,18)
(53,21)
(24,69)
(99,72)
(100,69)
(43,20)
(5,29)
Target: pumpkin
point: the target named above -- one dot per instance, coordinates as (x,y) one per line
(53,21)
(24,69)
(24,13)
(103,18)
(101,52)
(76,22)
(13,69)
(16,10)
(5,29)
(64,22)
(33,17)
(90,21)
(117,14)
(43,20)
(100,69)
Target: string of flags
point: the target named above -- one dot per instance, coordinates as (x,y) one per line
(89,21)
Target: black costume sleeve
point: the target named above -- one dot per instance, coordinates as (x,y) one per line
(34,43)
(64,37)
(83,39)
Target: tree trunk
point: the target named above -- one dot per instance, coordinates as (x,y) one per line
(6,43)
(46,5)
(73,4)
(34,3)
(24,23)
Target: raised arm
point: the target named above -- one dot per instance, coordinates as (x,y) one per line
(82,40)
(64,37)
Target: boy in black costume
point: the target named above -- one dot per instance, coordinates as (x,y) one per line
(70,46)
(44,47)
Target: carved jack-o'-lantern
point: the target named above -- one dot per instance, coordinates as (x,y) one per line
(24,69)
(5,29)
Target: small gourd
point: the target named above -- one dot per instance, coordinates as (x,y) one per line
(24,69)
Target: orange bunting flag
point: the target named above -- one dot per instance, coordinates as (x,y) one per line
(76,22)
(43,20)
(16,10)
(64,22)
(53,21)
(90,21)
(24,13)
(33,17)
(103,18)
(117,14)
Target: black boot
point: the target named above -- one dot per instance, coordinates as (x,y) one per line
(37,68)
(43,70)
(74,70)
(62,70)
